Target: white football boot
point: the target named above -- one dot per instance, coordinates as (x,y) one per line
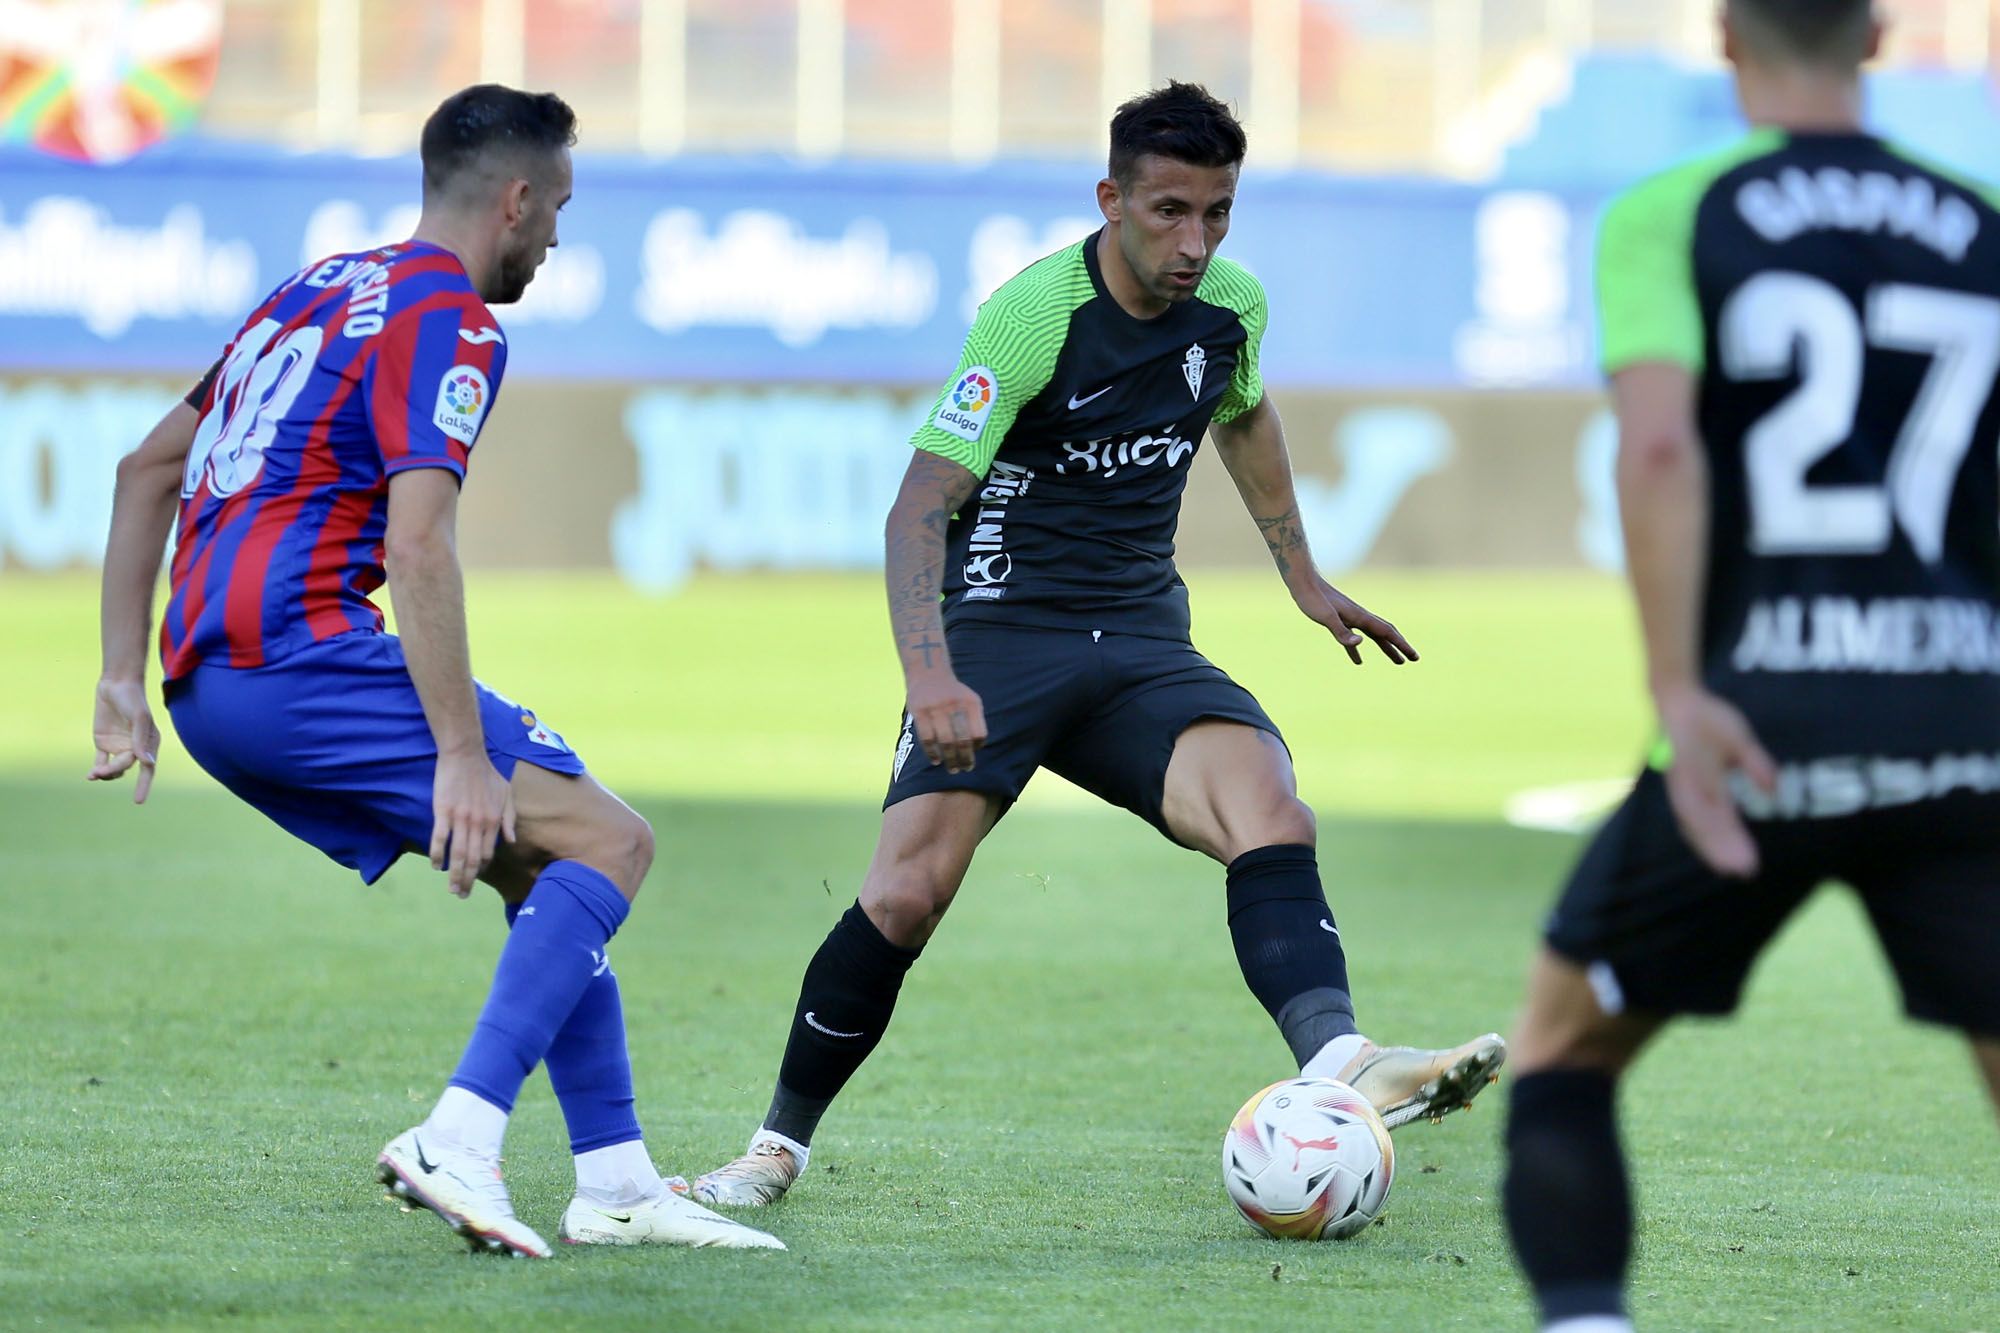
(663,1219)
(770,1166)
(462,1188)
(1406,1084)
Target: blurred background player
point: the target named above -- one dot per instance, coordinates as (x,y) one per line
(1803,339)
(1042,502)
(331,442)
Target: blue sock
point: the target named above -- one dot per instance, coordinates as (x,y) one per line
(589,1068)
(553,953)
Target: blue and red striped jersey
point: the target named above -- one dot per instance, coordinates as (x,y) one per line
(356,368)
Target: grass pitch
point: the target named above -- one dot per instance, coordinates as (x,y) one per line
(211,1029)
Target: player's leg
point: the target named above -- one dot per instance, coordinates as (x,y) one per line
(332,744)
(1643,931)
(920,859)
(1230,792)
(578,860)
(1032,685)
(849,991)
(1189,750)
(584,855)
(1566,1195)
(848,994)
(562,818)
(1929,876)
(620,1198)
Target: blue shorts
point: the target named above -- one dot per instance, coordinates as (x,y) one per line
(332,744)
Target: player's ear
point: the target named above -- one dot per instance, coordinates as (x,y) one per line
(1731,49)
(514,200)
(1110,201)
(1875,28)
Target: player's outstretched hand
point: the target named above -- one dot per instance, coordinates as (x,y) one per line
(949,719)
(125,734)
(1348,620)
(472,808)
(1712,740)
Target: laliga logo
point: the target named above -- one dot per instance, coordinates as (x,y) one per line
(463,393)
(973,394)
(983,571)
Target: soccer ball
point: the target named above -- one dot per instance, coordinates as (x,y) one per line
(1308,1159)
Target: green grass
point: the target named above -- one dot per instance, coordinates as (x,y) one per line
(210,1029)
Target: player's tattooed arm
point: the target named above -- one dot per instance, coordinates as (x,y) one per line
(1285,535)
(142,513)
(1252,447)
(946,715)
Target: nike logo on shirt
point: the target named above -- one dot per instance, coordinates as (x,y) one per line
(1075,403)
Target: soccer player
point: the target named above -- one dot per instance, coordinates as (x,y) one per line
(1041,501)
(1803,339)
(330,442)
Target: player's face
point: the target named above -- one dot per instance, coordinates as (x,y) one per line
(1170,219)
(532,233)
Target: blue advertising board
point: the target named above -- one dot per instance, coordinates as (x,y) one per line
(763,270)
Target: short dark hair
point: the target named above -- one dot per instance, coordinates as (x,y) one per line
(1819,32)
(1182,121)
(488,117)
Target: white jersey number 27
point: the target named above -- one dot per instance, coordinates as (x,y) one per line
(1778,322)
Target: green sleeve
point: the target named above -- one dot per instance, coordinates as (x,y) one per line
(1246,386)
(1008,358)
(1230,284)
(1647,305)
(1648,308)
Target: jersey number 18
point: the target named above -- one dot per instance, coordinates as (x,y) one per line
(229,444)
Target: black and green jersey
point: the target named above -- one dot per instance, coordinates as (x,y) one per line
(1080,422)
(1840,304)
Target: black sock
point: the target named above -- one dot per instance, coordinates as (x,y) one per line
(1287,946)
(1568,1206)
(845,1002)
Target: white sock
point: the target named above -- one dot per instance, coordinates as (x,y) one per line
(1591,1323)
(1334,1056)
(622,1173)
(469,1121)
(798,1150)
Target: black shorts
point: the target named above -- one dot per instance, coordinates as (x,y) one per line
(1101,709)
(1660,932)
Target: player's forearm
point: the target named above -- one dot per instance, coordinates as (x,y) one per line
(1253,450)
(914,539)
(429,593)
(1663,499)
(142,513)
(1285,537)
